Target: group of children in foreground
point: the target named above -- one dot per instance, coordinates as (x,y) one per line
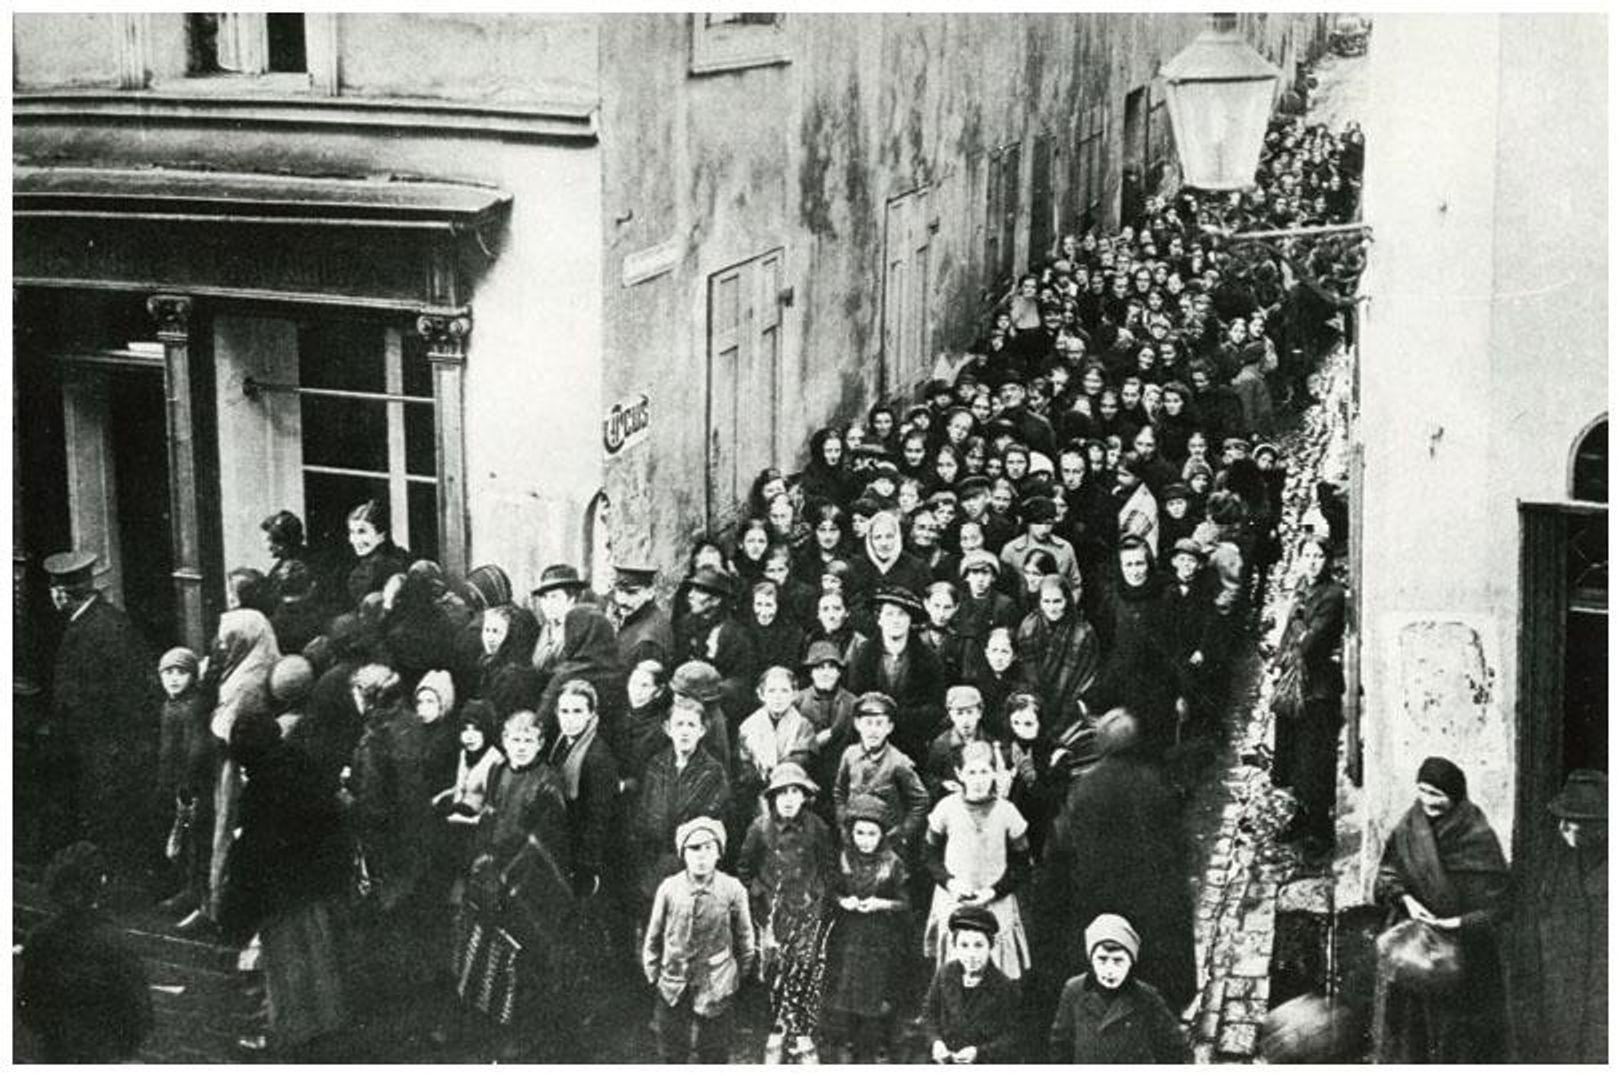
(824,922)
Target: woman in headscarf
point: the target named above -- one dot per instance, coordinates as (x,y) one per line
(1059,649)
(640,735)
(1307,735)
(240,661)
(590,653)
(1443,866)
(829,541)
(287,868)
(418,633)
(884,563)
(826,476)
(506,679)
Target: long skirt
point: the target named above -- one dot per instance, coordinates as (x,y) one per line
(301,974)
(227,791)
(1009,951)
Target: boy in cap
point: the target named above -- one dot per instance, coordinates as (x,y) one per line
(1107,1015)
(983,607)
(964,707)
(872,766)
(971,1013)
(698,949)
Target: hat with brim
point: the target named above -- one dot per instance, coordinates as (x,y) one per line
(791,775)
(979,558)
(972,486)
(900,597)
(558,577)
(699,830)
(72,568)
(1584,798)
(1190,547)
(976,918)
(711,581)
(697,680)
(821,652)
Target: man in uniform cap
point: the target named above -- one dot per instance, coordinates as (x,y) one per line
(103,721)
(644,627)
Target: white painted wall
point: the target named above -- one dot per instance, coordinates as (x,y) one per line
(1483,355)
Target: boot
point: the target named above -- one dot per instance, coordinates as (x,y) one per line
(773,1047)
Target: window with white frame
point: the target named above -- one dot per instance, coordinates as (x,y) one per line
(731,41)
(368,431)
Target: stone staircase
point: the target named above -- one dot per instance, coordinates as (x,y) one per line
(198,999)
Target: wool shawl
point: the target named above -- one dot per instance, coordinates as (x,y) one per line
(1064,656)
(246,651)
(1437,857)
(574,757)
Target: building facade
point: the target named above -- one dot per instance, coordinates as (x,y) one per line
(559,304)
(1482,611)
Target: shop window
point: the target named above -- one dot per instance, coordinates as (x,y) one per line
(368,419)
(727,41)
(246,43)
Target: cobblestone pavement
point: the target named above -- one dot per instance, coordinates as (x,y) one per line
(1236,814)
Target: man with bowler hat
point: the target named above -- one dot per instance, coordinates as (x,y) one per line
(557,592)
(104,716)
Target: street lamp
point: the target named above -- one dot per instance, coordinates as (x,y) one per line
(1220,92)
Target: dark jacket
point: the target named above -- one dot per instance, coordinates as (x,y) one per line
(592,816)
(918,689)
(986,1016)
(1131,1026)
(1565,960)
(393,793)
(646,634)
(669,797)
(1312,637)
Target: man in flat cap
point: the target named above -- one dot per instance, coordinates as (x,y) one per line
(104,716)
(644,627)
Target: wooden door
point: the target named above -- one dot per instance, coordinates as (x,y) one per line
(907,284)
(743,379)
(92,476)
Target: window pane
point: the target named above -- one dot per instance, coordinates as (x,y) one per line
(418,372)
(421,452)
(345,433)
(286,33)
(342,355)
(423,502)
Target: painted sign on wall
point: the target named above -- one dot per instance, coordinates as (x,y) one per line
(626,424)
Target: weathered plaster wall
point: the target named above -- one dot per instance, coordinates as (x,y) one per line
(62,50)
(1483,356)
(805,156)
(491,59)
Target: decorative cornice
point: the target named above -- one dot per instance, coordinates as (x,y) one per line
(173,316)
(568,121)
(446,336)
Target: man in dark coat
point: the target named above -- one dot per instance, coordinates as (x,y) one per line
(104,716)
(1564,960)
(1111,851)
(80,992)
(644,627)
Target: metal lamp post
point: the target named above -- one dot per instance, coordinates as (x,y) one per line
(1220,93)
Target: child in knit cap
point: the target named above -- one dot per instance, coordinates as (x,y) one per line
(1107,1015)
(185,770)
(698,949)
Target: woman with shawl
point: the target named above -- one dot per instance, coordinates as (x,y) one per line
(240,661)
(1443,866)
(1059,649)
(506,679)
(884,563)
(591,653)
(826,476)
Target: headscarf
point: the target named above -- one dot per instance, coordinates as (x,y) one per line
(1445,775)
(883,565)
(246,651)
(491,586)
(570,765)
(179,658)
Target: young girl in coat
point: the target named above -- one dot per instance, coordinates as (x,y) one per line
(786,863)
(868,941)
(185,765)
(978,854)
(462,804)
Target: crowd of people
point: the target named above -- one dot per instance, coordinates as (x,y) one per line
(909,744)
